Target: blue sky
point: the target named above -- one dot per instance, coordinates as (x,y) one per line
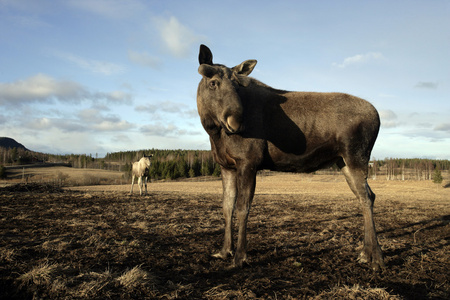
(98,76)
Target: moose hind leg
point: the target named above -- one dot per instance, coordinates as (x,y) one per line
(140,185)
(145,183)
(357,180)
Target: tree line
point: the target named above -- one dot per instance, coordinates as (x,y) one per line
(408,168)
(170,164)
(166,164)
(173,164)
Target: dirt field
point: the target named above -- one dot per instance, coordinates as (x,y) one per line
(62,175)
(305,233)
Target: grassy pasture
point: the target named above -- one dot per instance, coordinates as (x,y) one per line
(62,175)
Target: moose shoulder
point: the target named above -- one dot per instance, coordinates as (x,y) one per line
(253,126)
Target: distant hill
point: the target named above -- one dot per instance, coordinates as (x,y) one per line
(9,143)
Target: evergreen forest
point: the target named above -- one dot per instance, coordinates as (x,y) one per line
(174,164)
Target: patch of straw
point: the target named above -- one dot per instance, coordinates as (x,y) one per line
(356,292)
(39,275)
(134,278)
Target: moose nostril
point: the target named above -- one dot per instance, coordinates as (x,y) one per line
(233,124)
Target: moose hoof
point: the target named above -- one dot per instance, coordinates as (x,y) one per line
(375,261)
(222,254)
(363,258)
(240,261)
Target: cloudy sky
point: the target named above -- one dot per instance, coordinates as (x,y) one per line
(98,76)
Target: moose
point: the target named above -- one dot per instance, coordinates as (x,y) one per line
(252,126)
(140,170)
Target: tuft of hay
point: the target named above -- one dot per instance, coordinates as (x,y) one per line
(224,291)
(135,278)
(356,292)
(39,275)
(93,283)
(7,254)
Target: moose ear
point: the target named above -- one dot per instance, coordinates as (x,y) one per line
(207,70)
(246,67)
(205,56)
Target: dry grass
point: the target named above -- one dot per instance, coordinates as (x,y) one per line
(64,176)
(7,254)
(356,292)
(135,278)
(223,291)
(38,275)
(98,242)
(92,284)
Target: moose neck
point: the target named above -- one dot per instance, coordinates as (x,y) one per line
(258,95)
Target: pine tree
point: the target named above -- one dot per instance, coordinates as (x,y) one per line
(217,171)
(437,176)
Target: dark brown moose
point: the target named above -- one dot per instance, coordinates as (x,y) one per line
(252,126)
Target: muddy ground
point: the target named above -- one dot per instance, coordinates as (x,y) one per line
(102,243)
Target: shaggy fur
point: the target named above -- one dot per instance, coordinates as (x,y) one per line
(253,126)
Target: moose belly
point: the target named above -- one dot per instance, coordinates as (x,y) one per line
(310,160)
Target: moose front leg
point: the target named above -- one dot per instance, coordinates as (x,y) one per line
(246,182)
(229,200)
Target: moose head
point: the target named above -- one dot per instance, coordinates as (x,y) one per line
(218,101)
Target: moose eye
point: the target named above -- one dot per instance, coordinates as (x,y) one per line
(213,84)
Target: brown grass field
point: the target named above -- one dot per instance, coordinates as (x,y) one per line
(305,233)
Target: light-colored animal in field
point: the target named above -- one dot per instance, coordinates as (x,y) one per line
(140,170)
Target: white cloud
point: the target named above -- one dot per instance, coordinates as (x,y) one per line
(112,126)
(443,127)
(382,95)
(166,130)
(122,139)
(90,115)
(427,85)
(177,38)
(115,9)
(388,118)
(95,66)
(359,59)
(387,114)
(95,121)
(40,124)
(163,106)
(160,130)
(45,89)
(144,59)
(116,97)
(87,120)
(40,88)
(64,125)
